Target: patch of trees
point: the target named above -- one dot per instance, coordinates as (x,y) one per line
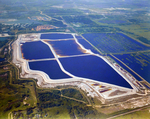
(29,111)
(55,23)
(49,100)
(96,16)
(84,20)
(58,11)
(73,93)
(1,26)
(3,42)
(19,14)
(95,29)
(22,81)
(59,18)
(144,40)
(4,79)
(83,111)
(48,96)
(8,108)
(135,21)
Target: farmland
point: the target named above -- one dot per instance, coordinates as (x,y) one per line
(139,62)
(81,20)
(124,67)
(114,42)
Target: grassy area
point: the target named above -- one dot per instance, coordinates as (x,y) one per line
(12,95)
(58,112)
(73,93)
(137,32)
(14,91)
(143,114)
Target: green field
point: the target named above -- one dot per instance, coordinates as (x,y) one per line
(143,114)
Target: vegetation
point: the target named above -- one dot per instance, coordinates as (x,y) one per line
(56,23)
(142,114)
(144,40)
(73,93)
(7,40)
(83,20)
(95,16)
(59,11)
(120,43)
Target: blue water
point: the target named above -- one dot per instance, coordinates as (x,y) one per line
(93,67)
(133,41)
(86,45)
(36,50)
(78,37)
(3,38)
(127,69)
(146,86)
(56,36)
(114,42)
(64,48)
(2,59)
(140,63)
(51,68)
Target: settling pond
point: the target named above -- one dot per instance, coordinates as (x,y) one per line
(114,42)
(65,48)
(93,67)
(139,62)
(36,50)
(86,65)
(51,68)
